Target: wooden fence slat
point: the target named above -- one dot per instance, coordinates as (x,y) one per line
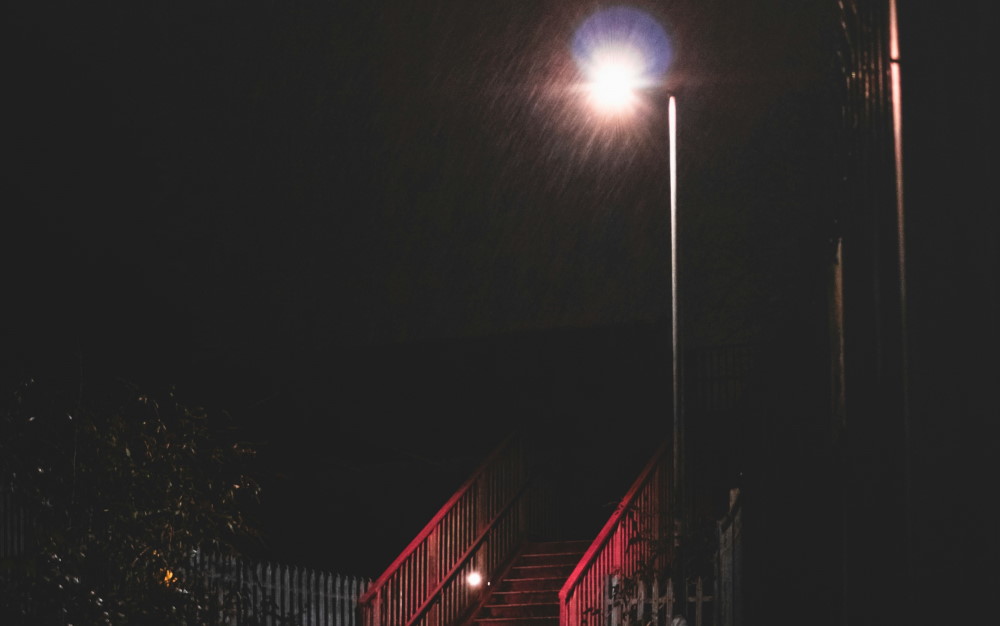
(321,595)
(344,591)
(268,594)
(314,596)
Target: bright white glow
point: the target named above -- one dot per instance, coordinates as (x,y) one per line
(474,579)
(614,76)
(672,128)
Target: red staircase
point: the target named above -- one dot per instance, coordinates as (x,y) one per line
(482,528)
(528,592)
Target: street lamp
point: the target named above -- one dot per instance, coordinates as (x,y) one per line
(622,52)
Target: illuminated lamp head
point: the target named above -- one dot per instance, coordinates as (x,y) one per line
(614,78)
(620,51)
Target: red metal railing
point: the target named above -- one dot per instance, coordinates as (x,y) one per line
(477,530)
(628,543)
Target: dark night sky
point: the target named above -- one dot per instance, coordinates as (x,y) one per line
(330,218)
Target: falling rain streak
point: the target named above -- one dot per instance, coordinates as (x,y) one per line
(533,209)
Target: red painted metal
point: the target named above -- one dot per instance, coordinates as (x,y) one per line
(641,514)
(466,556)
(478,529)
(409,550)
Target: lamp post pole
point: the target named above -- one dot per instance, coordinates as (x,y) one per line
(677,508)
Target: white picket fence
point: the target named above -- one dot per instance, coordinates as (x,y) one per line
(269,593)
(639,602)
(282,595)
(636,602)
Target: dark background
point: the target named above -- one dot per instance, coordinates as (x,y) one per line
(380,235)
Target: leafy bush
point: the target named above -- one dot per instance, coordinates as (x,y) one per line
(121,489)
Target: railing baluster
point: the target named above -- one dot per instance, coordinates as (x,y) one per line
(638,516)
(477,528)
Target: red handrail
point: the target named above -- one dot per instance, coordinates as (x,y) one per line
(652,498)
(431,525)
(478,527)
(464,559)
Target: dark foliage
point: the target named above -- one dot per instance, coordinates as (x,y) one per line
(122,491)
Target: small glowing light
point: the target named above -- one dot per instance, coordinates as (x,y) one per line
(474,579)
(169,578)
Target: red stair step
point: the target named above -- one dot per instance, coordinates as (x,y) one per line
(528,594)
(558,558)
(518,621)
(533,584)
(541,571)
(520,610)
(525,597)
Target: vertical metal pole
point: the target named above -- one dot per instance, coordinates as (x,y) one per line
(679,508)
(897,131)
(675,337)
